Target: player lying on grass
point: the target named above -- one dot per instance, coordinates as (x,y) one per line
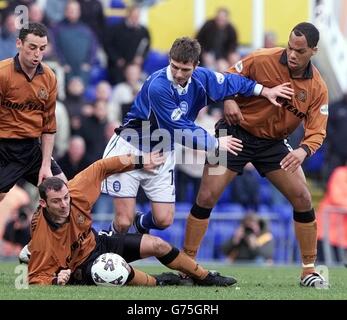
(64,245)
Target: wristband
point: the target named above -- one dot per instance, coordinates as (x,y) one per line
(306,148)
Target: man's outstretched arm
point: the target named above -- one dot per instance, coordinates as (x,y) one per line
(87,184)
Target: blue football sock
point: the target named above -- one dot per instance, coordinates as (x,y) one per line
(147,221)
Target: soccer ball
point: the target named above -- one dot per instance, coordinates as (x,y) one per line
(110,269)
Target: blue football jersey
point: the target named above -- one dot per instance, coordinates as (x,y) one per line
(164,112)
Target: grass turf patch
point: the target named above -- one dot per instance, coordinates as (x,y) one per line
(256,283)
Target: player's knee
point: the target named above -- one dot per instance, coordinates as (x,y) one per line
(123,222)
(206,198)
(122,227)
(303,200)
(164,221)
(165,218)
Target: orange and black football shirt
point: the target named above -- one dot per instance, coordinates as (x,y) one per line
(27,107)
(55,247)
(308,105)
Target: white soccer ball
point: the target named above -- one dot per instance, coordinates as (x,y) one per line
(110,269)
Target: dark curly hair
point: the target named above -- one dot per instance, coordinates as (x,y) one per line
(185,50)
(310,32)
(37,29)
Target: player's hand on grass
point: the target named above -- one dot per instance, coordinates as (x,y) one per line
(232,112)
(281,91)
(63,277)
(293,160)
(231,144)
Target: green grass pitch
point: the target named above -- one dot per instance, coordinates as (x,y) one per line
(254,282)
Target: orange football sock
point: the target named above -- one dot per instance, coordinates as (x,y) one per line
(142,279)
(195,231)
(306,234)
(187,265)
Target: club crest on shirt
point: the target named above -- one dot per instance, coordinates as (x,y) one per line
(81,219)
(301,95)
(42,94)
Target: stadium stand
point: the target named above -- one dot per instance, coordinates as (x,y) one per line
(97,74)
(115,13)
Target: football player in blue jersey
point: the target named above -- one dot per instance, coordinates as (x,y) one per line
(163,113)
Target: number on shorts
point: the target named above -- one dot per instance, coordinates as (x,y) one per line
(172,176)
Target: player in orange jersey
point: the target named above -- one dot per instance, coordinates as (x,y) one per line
(263,129)
(64,244)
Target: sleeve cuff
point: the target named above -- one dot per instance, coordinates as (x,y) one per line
(258,89)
